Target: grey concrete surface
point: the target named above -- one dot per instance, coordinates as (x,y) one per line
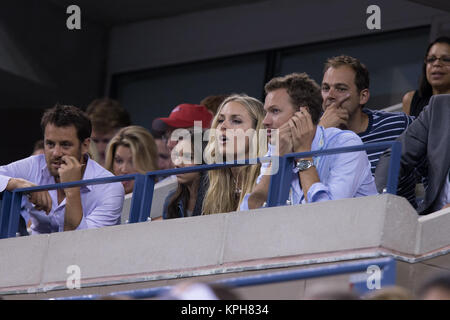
(400,227)
(310,228)
(434,231)
(22,260)
(136,248)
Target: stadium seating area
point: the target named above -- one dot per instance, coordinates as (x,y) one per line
(344,249)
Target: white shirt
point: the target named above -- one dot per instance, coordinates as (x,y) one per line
(102,203)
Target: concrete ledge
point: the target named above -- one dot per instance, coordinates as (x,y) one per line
(400,228)
(434,231)
(136,248)
(305,229)
(382,225)
(22,261)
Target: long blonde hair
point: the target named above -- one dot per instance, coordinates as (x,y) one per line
(142,146)
(221,196)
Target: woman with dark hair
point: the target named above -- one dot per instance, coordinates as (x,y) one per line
(187,200)
(435,78)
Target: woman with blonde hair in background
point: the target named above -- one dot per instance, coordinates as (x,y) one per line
(131,150)
(239,116)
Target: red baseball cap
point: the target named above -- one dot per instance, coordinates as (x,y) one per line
(183,116)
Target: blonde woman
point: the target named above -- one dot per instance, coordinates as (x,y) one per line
(235,135)
(131,150)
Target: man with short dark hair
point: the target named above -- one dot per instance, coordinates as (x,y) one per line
(293,106)
(67,133)
(345,92)
(213,102)
(107,117)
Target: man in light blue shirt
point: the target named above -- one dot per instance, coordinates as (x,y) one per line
(66,142)
(293,105)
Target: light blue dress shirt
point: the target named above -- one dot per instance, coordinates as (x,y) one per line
(102,203)
(342,175)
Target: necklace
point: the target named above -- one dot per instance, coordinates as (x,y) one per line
(237,190)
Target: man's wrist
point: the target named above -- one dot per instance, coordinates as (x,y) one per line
(72,192)
(303,164)
(302,149)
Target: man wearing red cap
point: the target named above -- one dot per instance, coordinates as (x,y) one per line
(182,117)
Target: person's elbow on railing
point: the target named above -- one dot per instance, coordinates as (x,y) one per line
(41,199)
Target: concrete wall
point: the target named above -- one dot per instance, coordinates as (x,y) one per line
(157,64)
(262,239)
(42,63)
(252,28)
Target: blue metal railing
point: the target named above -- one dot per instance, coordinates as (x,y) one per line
(387,267)
(144,184)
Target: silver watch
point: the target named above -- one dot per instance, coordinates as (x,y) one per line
(303,164)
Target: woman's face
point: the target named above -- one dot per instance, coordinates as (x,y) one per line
(438,71)
(232,132)
(182,157)
(123,164)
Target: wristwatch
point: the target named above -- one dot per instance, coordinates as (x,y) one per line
(303,164)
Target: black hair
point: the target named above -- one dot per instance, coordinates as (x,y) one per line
(425,89)
(182,193)
(66,116)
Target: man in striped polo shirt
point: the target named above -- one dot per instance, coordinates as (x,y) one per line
(345,91)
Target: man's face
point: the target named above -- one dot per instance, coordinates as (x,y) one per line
(339,82)
(61,141)
(279,109)
(164,161)
(101,141)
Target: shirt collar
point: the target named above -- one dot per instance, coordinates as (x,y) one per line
(318,140)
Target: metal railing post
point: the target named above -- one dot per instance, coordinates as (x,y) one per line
(280,183)
(4,214)
(394,167)
(14,216)
(147,199)
(136,201)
